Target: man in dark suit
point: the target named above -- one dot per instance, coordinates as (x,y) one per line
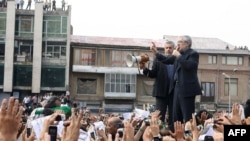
(163,75)
(185,84)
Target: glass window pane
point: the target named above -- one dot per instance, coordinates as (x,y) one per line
(107,77)
(107,58)
(127,78)
(118,78)
(63,51)
(56,49)
(226,89)
(209,59)
(212,89)
(214,59)
(223,61)
(127,88)
(53,76)
(231,60)
(112,78)
(25,26)
(49,49)
(118,88)
(123,88)
(207,89)
(64,24)
(123,78)
(203,88)
(107,87)
(54,27)
(112,88)
(22,75)
(240,61)
(56,55)
(2,23)
(233,89)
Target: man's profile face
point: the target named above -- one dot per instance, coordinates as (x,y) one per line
(168,48)
(182,44)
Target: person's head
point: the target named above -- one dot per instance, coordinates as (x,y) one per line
(201,114)
(169,47)
(184,42)
(248,102)
(247,109)
(113,124)
(53,102)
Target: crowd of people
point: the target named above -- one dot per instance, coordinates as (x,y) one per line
(48,5)
(80,124)
(174,118)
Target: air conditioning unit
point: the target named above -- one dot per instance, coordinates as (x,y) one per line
(21,58)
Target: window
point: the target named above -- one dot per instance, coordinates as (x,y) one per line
(212,59)
(53,76)
(2,23)
(231,86)
(54,51)
(85,57)
(55,26)
(23,52)
(208,91)
(119,58)
(24,26)
(104,57)
(86,86)
(232,60)
(120,83)
(2,51)
(22,75)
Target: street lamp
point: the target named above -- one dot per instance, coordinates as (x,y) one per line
(229,96)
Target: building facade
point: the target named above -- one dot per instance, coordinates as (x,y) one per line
(100,76)
(34,50)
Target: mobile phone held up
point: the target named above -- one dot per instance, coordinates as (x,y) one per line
(60,117)
(28,132)
(53,132)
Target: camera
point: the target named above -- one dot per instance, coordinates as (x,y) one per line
(53,132)
(120,132)
(60,117)
(92,134)
(208,138)
(28,132)
(147,122)
(24,119)
(188,133)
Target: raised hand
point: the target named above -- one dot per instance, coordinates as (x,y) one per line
(71,132)
(10,117)
(153,48)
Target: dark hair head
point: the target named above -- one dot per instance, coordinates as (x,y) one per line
(51,102)
(248,102)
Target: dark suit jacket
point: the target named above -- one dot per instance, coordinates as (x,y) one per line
(161,84)
(185,67)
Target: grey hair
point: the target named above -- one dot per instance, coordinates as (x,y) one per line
(187,39)
(171,43)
